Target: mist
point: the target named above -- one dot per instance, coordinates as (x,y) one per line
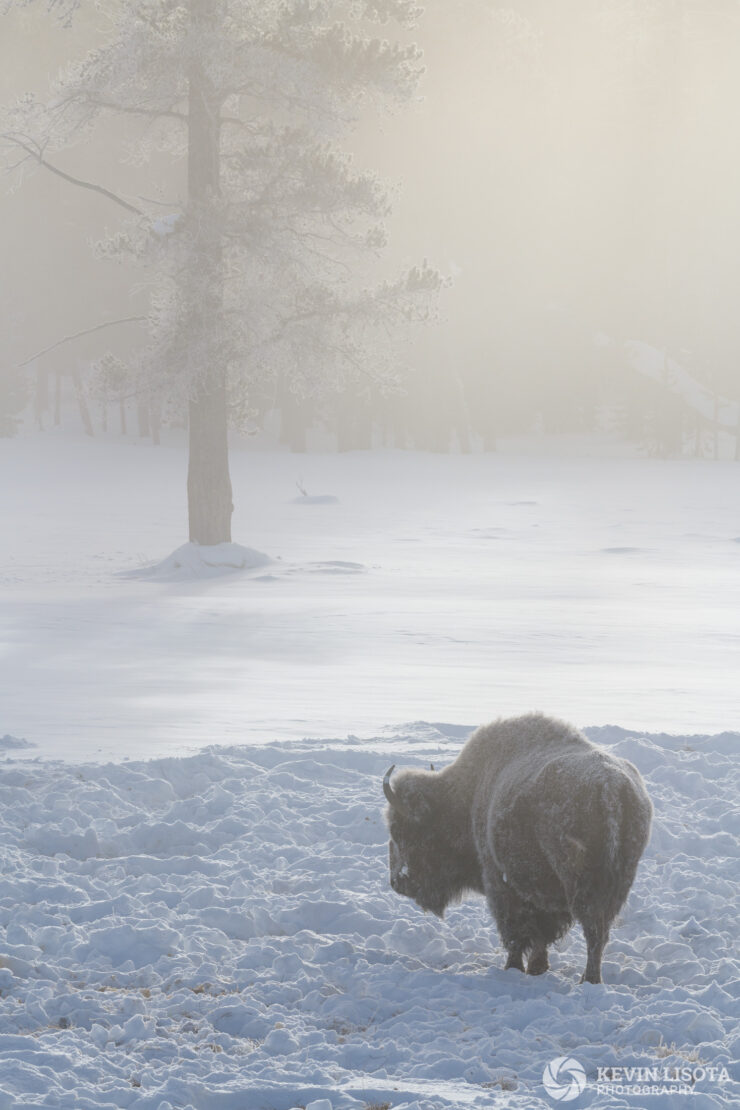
(570,169)
(369,375)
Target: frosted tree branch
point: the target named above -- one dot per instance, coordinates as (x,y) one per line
(80,334)
(35,151)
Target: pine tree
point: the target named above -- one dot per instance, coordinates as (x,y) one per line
(259,271)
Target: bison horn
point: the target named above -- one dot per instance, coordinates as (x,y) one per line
(387,785)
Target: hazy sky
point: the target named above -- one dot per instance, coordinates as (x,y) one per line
(575,167)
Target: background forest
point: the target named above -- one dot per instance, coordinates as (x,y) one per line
(571,169)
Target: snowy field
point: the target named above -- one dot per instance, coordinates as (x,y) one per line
(436,588)
(193,898)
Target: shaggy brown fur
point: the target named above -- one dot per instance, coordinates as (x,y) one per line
(534,816)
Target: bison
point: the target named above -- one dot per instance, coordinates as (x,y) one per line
(531,814)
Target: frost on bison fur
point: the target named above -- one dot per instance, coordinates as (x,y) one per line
(533,815)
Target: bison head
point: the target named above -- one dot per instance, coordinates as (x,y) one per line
(419,851)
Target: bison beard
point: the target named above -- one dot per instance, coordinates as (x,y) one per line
(533,815)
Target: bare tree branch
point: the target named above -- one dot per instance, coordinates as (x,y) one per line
(79,334)
(151,113)
(34,151)
(135,110)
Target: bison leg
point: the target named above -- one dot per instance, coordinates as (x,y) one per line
(525,928)
(548,927)
(514,960)
(512,919)
(538,962)
(596,934)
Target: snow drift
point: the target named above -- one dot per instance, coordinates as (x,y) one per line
(217,932)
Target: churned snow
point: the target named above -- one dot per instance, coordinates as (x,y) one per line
(194,901)
(217,931)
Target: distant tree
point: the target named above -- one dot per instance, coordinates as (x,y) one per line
(13,399)
(258,271)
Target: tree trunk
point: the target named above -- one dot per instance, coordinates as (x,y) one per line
(346,422)
(209,485)
(363,425)
(716,426)
(87,423)
(57,398)
(41,398)
(142,417)
(155,420)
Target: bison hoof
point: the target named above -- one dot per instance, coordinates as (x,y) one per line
(538,965)
(594,978)
(516,962)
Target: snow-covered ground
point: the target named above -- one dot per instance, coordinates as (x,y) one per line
(217,931)
(439,588)
(194,906)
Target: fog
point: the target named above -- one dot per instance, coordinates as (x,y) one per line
(571,167)
(285,504)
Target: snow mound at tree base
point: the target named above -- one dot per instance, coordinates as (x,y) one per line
(194,560)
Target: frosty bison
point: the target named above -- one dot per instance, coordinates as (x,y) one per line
(536,817)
